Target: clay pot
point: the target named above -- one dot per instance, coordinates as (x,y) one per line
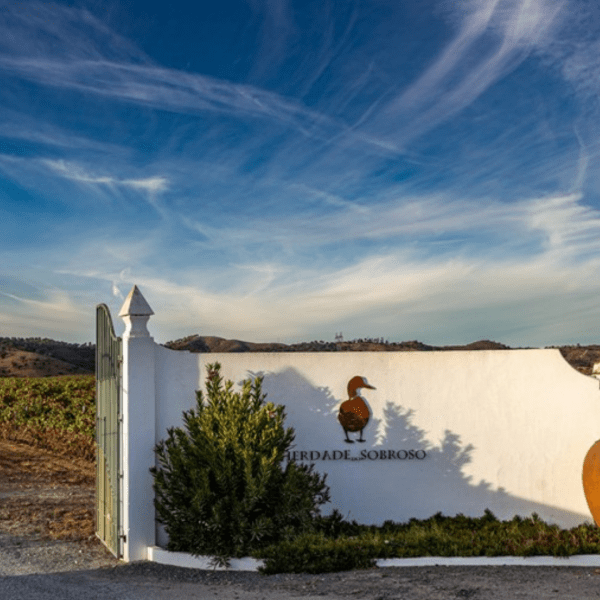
(591,480)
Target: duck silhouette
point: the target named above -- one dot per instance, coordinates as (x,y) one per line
(354,413)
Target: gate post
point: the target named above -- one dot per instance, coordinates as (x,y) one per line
(139,415)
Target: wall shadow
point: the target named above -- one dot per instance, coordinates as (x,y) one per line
(374,485)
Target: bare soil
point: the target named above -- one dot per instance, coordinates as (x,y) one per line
(46,495)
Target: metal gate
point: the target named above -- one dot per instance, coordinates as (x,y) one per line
(108,432)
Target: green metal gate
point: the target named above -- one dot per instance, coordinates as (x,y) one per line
(109,355)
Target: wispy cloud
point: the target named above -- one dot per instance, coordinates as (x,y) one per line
(440,293)
(93,60)
(432,299)
(164,88)
(562,224)
(464,69)
(569,227)
(56,312)
(18,125)
(77,173)
(276,30)
(61,31)
(116,292)
(152,184)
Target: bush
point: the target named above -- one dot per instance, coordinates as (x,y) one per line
(220,485)
(315,553)
(337,545)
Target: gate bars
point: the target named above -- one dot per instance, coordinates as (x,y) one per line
(109,356)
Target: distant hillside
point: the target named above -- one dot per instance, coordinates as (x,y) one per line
(198,343)
(42,357)
(581,358)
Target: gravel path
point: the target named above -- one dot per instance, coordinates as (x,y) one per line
(36,569)
(43,496)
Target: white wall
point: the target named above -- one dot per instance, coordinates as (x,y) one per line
(506,429)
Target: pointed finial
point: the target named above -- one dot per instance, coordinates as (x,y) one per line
(135,304)
(135,312)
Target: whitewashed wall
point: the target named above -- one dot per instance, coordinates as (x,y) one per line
(506,430)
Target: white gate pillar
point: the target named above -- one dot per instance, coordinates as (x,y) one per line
(138,430)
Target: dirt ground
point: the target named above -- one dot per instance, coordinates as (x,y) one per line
(46,495)
(48,549)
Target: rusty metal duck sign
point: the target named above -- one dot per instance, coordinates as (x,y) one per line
(354,413)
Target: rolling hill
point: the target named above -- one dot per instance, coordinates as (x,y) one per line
(42,357)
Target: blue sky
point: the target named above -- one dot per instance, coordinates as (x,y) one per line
(273,170)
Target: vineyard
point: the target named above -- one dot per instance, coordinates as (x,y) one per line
(55,413)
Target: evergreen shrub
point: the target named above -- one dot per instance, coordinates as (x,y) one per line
(220,486)
(316,553)
(338,545)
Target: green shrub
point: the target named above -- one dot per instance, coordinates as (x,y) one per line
(220,485)
(338,545)
(314,553)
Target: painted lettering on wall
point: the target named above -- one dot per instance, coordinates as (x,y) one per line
(315,455)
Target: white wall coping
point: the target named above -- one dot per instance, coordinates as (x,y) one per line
(577,560)
(181,559)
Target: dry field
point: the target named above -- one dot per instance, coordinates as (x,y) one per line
(46,495)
